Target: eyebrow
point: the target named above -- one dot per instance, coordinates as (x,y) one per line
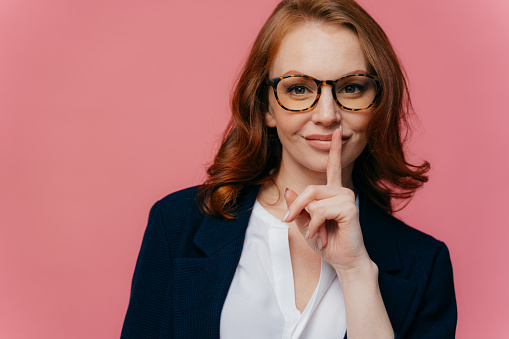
(295,72)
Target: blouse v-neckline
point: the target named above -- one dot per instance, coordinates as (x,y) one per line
(263,287)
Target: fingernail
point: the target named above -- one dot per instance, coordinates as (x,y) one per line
(283,219)
(341,130)
(306,236)
(319,243)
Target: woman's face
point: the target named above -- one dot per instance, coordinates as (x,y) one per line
(324,52)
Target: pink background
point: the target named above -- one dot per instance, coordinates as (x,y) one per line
(107,106)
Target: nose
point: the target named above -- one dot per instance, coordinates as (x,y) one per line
(326,111)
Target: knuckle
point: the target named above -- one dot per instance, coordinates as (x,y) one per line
(316,209)
(348,192)
(320,211)
(351,193)
(349,210)
(318,216)
(313,189)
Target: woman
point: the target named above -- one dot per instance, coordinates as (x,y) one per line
(315,140)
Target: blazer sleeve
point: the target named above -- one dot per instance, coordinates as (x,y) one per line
(437,314)
(150,281)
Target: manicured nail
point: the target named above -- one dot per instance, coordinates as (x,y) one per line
(283,219)
(307,235)
(319,243)
(341,130)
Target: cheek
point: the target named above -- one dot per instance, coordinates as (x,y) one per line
(289,125)
(360,123)
(280,118)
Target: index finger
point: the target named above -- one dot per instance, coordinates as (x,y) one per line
(334,160)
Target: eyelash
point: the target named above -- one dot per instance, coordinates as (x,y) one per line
(357,87)
(293,87)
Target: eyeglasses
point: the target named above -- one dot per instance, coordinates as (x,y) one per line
(299,92)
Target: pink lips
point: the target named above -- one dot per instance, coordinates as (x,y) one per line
(322,142)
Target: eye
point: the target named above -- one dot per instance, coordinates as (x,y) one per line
(351,89)
(297,89)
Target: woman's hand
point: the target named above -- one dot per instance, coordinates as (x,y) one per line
(327,216)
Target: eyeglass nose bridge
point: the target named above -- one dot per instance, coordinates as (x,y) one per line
(319,84)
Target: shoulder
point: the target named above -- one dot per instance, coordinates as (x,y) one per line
(179,205)
(185,202)
(181,198)
(410,239)
(389,237)
(182,220)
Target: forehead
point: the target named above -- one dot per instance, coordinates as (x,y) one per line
(323,51)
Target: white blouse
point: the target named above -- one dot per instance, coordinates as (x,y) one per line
(261,299)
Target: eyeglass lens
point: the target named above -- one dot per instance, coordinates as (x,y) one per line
(354,92)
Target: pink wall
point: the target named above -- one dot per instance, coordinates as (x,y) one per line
(99,118)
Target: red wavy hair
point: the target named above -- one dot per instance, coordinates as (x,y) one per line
(250,153)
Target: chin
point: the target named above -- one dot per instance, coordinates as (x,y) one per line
(319,166)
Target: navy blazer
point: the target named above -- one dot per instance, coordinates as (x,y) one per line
(188,259)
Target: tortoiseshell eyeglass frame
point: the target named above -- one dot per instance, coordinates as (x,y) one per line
(275,81)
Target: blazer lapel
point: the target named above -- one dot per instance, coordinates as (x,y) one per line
(201,284)
(397,292)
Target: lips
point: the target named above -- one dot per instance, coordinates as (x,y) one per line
(322,142)
(321,137)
